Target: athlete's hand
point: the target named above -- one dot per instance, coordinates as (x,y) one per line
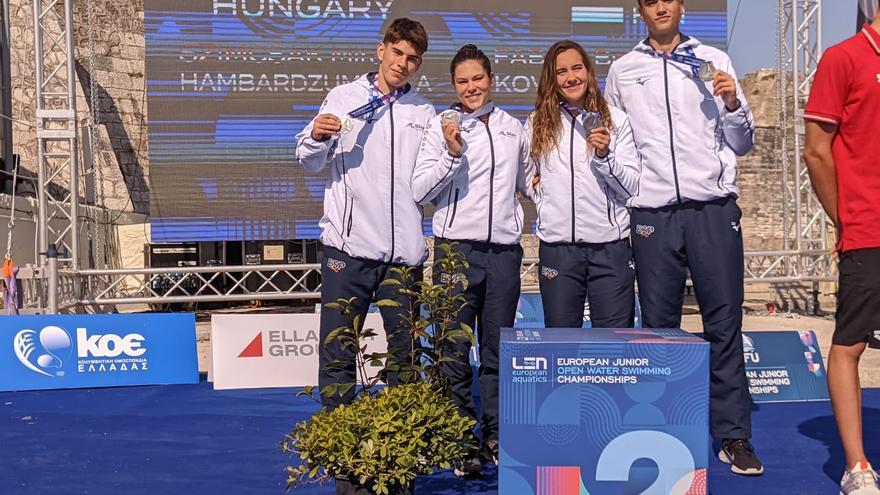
(452,136)
(600,140)
(724,85)
(326,125)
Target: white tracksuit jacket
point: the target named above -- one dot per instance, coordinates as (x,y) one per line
(369,210)
(475,195)
(582,198)
(687,139)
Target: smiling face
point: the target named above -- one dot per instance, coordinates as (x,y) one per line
(472,84)
(662,17)
(398,62)
(571,77)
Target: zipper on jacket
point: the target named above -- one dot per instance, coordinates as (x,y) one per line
(571,163)
(671,133)
(454,207)
(391,112)
(608,205)
(448,202)
(491,181)
(350,217)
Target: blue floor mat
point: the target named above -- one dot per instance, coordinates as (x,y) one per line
(190,439)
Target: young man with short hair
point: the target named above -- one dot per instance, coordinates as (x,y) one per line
(368,133)
(841,152)
(690,121)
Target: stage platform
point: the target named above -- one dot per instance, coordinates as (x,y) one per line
(190,439)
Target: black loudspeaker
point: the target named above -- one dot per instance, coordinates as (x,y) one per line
(183,254)
(280,253)
(173,255)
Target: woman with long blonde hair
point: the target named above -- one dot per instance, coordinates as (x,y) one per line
(587,168)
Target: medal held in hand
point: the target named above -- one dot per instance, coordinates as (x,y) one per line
(707,71)
(590,120)
(345,124)
(450,117)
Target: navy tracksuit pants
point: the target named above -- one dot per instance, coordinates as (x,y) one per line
(491,295)
(705,238)
(572,273)
(343,276)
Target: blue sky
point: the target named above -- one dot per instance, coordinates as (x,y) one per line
(752,42)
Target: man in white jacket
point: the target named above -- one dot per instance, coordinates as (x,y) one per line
(690,121)
(368,134)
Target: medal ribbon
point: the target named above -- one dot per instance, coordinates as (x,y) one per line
(377,98)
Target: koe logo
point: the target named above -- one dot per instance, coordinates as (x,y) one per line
(530,363)
(43,352)
(109,345)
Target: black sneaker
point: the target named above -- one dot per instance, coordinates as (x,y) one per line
(740,454)
(471,468)
(489,452)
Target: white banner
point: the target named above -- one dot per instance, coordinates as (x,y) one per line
(272,350)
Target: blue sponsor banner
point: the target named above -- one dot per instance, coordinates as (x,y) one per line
(784,366)
(603,411)
(82,351)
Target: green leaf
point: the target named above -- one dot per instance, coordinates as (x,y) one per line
(307,391)
(388,303)
(336,334)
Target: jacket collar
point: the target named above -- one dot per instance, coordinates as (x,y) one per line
(483,110)
(686,42)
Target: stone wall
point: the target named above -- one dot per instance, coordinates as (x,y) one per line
(122,161)
(760,171)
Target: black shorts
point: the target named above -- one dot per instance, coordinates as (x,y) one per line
(858,298)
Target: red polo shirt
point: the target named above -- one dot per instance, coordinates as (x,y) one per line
(846,92)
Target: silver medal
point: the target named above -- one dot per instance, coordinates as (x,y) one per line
(591,121)
(450,117)
(707,71)
(345,124)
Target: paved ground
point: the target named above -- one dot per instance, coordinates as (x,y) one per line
(823,326)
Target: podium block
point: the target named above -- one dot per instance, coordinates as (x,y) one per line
(603,411)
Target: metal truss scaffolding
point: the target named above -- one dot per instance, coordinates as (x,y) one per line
(56,129)
(804,257)
(805,225)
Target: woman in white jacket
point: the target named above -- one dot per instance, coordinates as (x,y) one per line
(587,167)
(470,166)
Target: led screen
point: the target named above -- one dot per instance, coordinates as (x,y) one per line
(231,82)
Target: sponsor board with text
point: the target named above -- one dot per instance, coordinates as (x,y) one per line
(784,366)
(274,350)
(81,351)
(603,411)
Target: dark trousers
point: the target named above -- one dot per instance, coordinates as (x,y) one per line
(705,238)
(571,274)
(491,295)
(345,277)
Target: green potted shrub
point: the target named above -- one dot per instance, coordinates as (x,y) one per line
(386,437)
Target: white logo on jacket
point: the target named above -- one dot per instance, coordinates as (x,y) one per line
(335,265)
(549,273)
(645,230)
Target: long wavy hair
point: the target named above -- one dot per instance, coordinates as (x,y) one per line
(546,119)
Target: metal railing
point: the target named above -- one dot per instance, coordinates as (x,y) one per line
(108,287)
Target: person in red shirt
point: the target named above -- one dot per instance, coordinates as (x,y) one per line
(841,152)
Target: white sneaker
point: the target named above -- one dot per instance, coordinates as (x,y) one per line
(860,480)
